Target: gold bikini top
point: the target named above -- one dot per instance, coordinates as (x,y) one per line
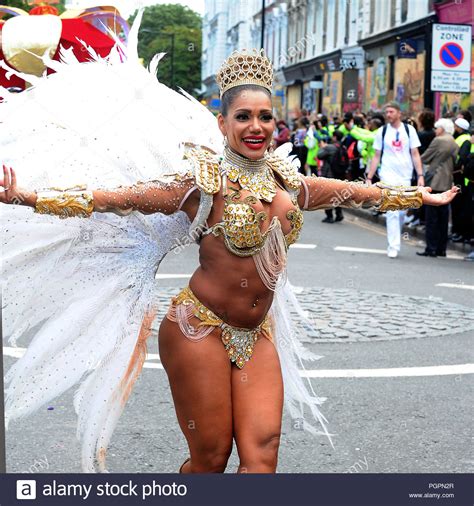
(240,225)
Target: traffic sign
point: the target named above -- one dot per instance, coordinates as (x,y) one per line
(451,54)
(451,58)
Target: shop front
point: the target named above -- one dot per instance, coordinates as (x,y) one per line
(455,12)
(278,96)
(396,68)
(352,67)
(330,66)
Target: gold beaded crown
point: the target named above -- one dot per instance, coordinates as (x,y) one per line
(243,67)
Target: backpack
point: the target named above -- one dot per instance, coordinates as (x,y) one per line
(341,159)
(384,131)
(353,152)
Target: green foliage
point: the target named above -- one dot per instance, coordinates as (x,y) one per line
(158,24)
(23,4)
(60,6)
(19,4)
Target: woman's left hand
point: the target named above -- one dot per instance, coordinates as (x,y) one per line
(438,199)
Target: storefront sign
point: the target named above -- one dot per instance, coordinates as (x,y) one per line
(316,85)
(330,65)
(351,58)
(348,63)
(451,58)
(407,48)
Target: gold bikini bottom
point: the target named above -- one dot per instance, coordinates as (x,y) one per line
(238,342)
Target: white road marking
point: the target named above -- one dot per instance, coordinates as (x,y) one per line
(392,372)
(361,250)
(383,251)
(13,352)
(456,285)
(302,246)
(173,276)
(152,356)
(153,365)
(432,370)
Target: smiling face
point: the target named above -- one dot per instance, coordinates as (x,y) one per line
(249,123)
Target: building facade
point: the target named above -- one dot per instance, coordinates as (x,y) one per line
(455,12)
(214,47)
(229,25)
(334,56)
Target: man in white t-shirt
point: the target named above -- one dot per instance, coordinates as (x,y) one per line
(396,149)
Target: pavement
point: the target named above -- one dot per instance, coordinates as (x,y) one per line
(397,366)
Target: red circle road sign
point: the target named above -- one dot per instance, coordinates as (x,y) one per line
(451,54)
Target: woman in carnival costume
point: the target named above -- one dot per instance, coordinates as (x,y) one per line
(150,169)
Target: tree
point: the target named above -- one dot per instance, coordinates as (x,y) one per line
(167,25)
(23,4)
(19,4)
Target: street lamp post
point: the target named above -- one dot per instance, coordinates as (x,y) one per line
(262,34)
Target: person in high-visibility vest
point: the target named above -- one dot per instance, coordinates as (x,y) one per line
(347,124)
(311,141)
(367,137)
(463,140)
(469,207)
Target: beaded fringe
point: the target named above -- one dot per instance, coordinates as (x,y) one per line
(181,314)
(270,261)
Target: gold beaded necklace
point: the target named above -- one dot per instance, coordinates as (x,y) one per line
(255,176)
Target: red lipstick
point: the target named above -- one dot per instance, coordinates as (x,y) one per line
(254,141)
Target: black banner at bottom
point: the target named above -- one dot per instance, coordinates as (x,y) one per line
(238,490)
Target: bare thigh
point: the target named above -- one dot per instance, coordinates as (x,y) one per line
(257,403)
(200,379)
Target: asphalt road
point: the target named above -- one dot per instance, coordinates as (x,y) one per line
(415,419)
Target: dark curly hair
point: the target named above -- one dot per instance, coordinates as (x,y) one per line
(426,119)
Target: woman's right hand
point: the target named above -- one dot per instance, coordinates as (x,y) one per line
(9,191)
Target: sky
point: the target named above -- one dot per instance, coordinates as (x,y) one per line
(127,7)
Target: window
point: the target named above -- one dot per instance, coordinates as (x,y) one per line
(372,16)
(325,24)
(299,46)
(348,22)
(313,28)
(316,7)
(404,10)
(393,7)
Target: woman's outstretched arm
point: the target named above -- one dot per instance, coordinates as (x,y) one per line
(166,195)
(326,193)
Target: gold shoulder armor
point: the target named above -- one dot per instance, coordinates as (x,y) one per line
(206,166)
(286,170)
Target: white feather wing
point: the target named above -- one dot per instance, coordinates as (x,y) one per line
(77,291)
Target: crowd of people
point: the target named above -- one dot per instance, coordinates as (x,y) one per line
(399,150)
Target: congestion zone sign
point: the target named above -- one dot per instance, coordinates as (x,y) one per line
(451,58)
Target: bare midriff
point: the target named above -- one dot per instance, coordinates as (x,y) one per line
(230,285)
